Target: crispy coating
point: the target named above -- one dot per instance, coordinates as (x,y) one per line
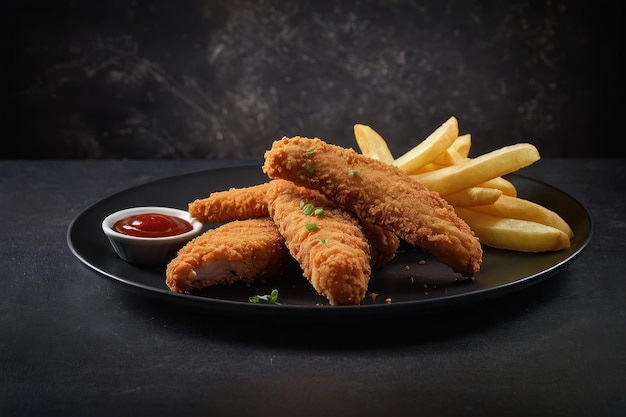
(334,255)
(250,202)
(242,250)
(378,193)
(383,244)
(231,204)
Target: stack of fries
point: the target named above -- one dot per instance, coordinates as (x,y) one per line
(476,188)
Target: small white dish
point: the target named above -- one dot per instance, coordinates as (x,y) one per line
(149,250)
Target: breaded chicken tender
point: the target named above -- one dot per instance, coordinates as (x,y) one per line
(380,194)
(327,241)
(250,202)
(383,244)
(231,204)
(242,250)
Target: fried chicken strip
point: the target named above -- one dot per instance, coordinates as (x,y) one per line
(250,202)
(231,204)
(383,244)
(378,193)
(334,253)
(241,250)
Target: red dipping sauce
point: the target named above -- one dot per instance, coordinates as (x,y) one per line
(152,225)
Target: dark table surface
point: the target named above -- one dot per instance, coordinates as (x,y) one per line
(75,344)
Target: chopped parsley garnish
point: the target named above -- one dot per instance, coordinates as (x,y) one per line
(309,152)
(308,209)
(310,169)
(310,226)
(265,299)
(323,240)
(354,172)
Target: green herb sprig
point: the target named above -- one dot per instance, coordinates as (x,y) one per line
(271,298)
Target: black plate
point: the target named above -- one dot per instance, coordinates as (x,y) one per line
(408,284)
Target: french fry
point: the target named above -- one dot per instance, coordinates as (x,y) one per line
(462,144)
(450,157)
(514,234)
(476,188)
(473,196)
(480,169)
(518,208)
(430,167)
(501,184)
(456,153)
(372,144)
(431,147)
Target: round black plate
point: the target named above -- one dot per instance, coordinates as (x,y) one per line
(405,286)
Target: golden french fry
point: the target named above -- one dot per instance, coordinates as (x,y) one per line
(456,153)
(429,167)
(518,208)
(480,169)
(372,144)
(450,157)
(501,184)
(427,150)
(475,187)
(514,234)
(462,144)
(473,196)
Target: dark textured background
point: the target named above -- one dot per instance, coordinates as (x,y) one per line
(221,79)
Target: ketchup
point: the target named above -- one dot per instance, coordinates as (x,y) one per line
(152,225)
